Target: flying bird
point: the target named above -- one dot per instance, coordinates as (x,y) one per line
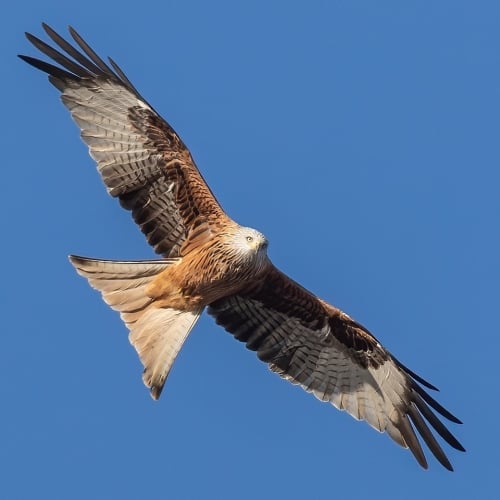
(211,262)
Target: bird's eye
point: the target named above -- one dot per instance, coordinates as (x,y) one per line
(249,238)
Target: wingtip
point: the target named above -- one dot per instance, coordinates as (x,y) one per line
(31,38)
(446,464)
(74,34)
(49,30)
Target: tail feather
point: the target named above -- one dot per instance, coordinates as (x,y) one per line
(156,333)
(158,336)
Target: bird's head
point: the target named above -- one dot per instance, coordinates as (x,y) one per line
(250,243)
(254,239)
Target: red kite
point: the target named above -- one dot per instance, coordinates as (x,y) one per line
(210,261)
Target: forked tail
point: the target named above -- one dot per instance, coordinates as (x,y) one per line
(156,333)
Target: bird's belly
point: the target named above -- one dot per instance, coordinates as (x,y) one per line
(186,287)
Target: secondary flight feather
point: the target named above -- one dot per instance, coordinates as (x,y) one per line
(211,262)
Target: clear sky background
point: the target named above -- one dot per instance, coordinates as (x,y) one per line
(362,138)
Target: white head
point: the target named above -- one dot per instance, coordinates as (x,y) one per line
(250,243)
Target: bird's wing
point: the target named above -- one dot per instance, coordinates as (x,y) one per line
(317,346)
(141,159)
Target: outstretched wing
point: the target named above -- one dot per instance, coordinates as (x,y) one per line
(141,159)
(317,346)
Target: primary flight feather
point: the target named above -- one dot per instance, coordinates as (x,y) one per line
(210,261)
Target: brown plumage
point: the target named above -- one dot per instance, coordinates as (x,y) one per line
(211,261)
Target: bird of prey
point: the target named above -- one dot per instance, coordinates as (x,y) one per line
(211,262)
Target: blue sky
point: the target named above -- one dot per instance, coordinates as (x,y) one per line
(362,138)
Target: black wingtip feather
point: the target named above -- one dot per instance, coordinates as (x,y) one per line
(439,427)
(60,58)
(122,75)
(413,375)
(90,52)
(434,404)
(428,437)
(48,68)
(412,441)
(75,64)
(70,50)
